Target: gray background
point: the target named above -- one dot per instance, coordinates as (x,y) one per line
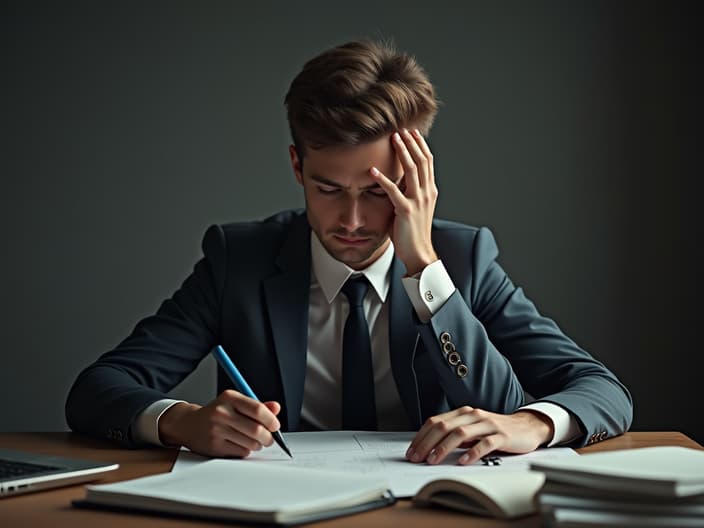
(567,127)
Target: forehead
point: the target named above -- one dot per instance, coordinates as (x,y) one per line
(347,164)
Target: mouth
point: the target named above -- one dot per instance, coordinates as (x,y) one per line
(351,241)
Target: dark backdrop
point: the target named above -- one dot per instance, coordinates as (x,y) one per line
(567,127)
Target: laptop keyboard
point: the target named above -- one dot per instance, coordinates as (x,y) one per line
(12,469)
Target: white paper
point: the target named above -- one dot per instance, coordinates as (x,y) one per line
(251,488)
(373,453)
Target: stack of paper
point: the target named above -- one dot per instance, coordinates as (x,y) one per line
(653,486)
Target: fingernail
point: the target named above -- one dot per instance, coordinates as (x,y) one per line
(375,171)
(417,132)
(433,457)
(397,137)
(464,459)
(410,453)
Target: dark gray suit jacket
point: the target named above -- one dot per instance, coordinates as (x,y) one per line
(250,291)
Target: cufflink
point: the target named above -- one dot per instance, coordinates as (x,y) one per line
(429,296)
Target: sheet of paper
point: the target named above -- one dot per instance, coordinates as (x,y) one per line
(380,453)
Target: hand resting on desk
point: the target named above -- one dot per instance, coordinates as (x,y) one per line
(480,431)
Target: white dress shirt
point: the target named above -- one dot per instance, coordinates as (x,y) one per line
(322,393)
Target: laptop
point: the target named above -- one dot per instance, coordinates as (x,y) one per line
(24,472)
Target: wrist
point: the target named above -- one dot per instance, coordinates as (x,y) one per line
(171,423)
(540,424)
(418,263)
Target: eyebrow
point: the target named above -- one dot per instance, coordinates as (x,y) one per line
(325,181)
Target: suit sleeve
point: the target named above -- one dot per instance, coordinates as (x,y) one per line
(508,347)
(162,350)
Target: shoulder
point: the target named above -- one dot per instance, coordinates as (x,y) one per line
(272,226)
(459,233)
(459,244)
(262,238)
(270,229)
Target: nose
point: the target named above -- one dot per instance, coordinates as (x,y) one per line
(352,216)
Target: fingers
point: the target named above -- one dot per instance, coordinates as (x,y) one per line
(486,445)
(273,406)
(416,159)
(439,435)
(243,422)
(397,198)
(252,409)
(427,153)
(443,434)
(410,168)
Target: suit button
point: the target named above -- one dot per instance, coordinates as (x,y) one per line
(602,435)
(453,358)
(448,347)
(445,337)
(461,370)
(119,435)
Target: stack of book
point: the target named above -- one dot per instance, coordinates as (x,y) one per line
(652,486)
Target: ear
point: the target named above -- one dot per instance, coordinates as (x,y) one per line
(295,163)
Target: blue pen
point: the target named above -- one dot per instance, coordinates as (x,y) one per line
(241,385)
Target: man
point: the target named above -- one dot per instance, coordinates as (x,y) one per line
(363,312)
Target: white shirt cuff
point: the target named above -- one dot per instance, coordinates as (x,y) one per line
(146,426)
(429,289)
(565,425)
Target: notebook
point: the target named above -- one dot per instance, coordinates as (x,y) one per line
(25,472)
(219,490)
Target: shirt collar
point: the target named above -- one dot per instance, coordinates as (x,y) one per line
(331,274)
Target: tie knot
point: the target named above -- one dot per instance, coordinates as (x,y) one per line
(355,289)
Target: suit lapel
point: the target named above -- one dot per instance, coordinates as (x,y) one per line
(403,338)
(287,299)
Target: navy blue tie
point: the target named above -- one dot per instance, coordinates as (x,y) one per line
(358,407)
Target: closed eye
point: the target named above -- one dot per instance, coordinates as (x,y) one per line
(327,190)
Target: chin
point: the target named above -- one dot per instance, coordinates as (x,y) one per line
(355,258)
(352,258)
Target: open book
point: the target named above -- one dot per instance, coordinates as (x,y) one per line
(504,495)
(250,493)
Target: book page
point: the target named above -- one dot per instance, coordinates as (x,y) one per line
(252,488)
(506,494)
(376,453)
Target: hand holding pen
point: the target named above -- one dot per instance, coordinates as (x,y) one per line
(241,385)
(231,425)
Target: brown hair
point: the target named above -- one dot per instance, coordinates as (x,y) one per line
(357,92)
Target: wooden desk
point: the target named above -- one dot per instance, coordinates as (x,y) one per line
(53,508)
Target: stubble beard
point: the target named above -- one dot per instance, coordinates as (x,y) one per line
(354,257)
